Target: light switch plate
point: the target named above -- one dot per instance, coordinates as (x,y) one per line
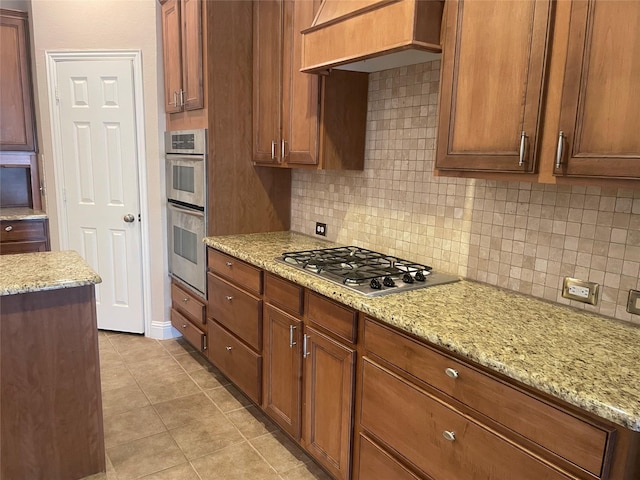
(633,305)
(580,290)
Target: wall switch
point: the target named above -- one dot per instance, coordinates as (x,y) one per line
(633,305)
(321,229)
(574,289)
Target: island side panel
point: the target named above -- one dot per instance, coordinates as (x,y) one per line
(50,396)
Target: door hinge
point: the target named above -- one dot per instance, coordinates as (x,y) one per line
(57,95)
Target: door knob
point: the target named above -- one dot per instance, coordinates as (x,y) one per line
(128,218)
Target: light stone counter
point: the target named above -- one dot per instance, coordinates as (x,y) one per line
(34,272)
(587,360)
(21,213)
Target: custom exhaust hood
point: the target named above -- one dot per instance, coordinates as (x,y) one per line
(369,36)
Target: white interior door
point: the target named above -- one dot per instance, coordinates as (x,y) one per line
(96,116)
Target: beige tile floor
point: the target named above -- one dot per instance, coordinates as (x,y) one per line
(170,415)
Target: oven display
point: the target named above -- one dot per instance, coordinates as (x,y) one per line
(183,141)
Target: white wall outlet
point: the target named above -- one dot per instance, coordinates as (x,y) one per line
(580,290)
(321,229)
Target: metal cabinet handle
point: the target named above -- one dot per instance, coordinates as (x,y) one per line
(451,372)
(305,352)
(559,150)
(185,299)
(273,149)
(129,218)
(523,145)
(184,325)
(451,436)
(228,348)
(229,264)
(229,298)
(8,228)
(181,98)
(283,149)
(291,340)
(175,99)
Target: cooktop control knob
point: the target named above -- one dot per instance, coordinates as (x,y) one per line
(375,284)
(407,278)
(388,282)
(420,276)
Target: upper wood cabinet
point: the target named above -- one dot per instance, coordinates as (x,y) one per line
(292,110)
(599,131)
(182,54)
(541,91)
(17,127)
(491,88)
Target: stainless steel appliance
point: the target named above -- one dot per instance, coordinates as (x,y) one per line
(365,271)
(186,168)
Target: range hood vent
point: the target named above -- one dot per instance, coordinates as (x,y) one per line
(369,36)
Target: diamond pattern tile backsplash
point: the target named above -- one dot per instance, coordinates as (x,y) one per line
(520,236)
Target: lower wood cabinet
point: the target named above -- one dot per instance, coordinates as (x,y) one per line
(329,379)
(374,463)
(188,315)
(24,236)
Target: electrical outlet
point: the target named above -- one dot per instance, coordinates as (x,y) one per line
(579,290)
(321,229)
(633,305)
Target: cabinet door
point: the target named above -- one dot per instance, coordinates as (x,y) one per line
(299,90)
(328,403)
(17,129)
(491,90)
(172,55)
(192,94)
(600,110)
(282,385)
(267,71)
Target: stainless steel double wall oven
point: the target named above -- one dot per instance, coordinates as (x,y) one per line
(186,167)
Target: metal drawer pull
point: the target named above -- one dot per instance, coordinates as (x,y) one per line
(8,228)
(560,148)
(229,264)
(283,149)
(451,436)
(229,298)
(175,99)
(228,348)
(305,352)
(523,144)
(291,341)
(184,325)
(451,372)
(273,150)
(185,299)
(181,98)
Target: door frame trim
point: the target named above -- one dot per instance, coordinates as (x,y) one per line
(52,58)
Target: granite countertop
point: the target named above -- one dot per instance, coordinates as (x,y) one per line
(587,360)
(20,213)
(34,272)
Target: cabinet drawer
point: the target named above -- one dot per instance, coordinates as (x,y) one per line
(338,319)
(241,364)
(577,440)
(237,310)
(241,273)
(283,294)
(22,230)
(190,332)
(8,248)
(413,422)
(188,304)
(375,463)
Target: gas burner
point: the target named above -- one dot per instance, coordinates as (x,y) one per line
(365,271)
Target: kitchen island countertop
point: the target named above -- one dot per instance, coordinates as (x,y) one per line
(34,272)
(587,360)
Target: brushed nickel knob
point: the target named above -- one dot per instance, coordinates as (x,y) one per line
(451,372)
(8,228)
(451,436)
(129,218)
(228,348)
(229,298)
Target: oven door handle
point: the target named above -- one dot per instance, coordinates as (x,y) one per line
(188,211)
(196,157)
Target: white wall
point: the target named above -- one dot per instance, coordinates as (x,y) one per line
(109,24)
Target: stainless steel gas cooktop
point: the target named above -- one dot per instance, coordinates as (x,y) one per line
(365,271)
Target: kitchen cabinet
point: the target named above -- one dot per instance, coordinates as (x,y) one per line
(540,91)
(491,85)
(182,55)
(17,125)
(301,119)
(188,316)
(423,408)
(24,236)
(234,291)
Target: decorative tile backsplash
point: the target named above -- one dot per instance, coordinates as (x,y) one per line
(520,236)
